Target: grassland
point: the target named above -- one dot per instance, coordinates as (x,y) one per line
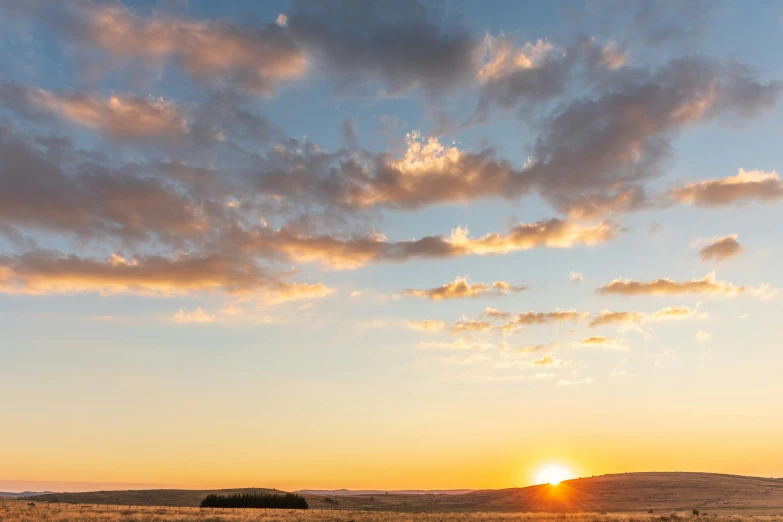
(628,492)
(22,511)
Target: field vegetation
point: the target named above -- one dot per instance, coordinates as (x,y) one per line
(25,511)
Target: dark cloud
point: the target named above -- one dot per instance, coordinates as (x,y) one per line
(87,199)
(400,45)
(594,154)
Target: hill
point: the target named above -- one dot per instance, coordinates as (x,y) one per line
(144,497)
(353,492)
(6,494)
(661,492)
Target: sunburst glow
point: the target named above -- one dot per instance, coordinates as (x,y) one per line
(553,475)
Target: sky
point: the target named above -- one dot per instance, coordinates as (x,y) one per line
(388,245)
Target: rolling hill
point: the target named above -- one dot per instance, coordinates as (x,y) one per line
(657,491)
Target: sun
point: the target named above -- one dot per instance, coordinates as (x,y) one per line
(553,475)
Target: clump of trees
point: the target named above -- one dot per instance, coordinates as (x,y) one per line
(255,500)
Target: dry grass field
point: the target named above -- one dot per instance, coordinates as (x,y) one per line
(22,511)
(628,492)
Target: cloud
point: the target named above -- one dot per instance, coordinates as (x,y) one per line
(536,348)
(593,156)
(549,360)
(400,45)
(676,312)
(672,312)
(719,249)
(460,288)
(515,74)
(576,277)
(463,326)
(534,318)
(745,186)
(196,316)
(603,343)
(703,337)
(37,190)
(256,59)
(118,116)
(46,272)
(708,285)
(352,253)
(608,317)
(427,325)
(495,314)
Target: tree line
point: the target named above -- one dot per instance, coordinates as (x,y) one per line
(255,500)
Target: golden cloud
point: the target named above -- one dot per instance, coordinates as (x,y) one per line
(604,343)
(42,272)
(460,288)
(427,325)
(745,186)
(707,285)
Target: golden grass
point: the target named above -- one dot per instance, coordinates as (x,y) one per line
(21,511)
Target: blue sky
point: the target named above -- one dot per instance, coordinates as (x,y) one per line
(225,225)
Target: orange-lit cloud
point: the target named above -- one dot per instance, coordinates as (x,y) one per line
(550,360)
(607,317)
(460,288)
(353,253)
(708,285)
(603,343)
(42,272)
(121,116)
(495,314)
(196,316)
(536,348)
(464,326)
(745,186)
(253,59)
(676,312)
(427,325)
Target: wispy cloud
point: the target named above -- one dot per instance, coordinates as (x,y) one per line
(708,285)
(427,325)
(460,288)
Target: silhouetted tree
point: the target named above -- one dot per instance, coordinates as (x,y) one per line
(255,500)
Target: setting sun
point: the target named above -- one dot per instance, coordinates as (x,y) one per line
(553,475)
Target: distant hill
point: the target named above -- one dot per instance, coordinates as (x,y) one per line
(144,497)
(660,492)
(5,494)
(353,492)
